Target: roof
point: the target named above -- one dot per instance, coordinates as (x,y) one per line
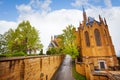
(50,45)
(53,44)
(91,20)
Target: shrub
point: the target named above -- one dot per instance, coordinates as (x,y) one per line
(48,52)
(19,54)
(6,55)
(41,52)
(32,54)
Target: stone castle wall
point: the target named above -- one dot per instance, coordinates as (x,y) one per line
(29,68)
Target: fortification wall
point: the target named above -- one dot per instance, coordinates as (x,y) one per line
(29,68)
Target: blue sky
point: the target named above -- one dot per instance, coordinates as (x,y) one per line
(8,9)
(50,17)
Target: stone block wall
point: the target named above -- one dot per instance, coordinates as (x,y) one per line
(29,68)
(80,68)
(86,70)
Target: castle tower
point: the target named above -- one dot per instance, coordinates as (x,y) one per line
(95,45)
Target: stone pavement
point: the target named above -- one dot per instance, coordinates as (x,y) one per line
(65,70)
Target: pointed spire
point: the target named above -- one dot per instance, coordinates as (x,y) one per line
(84,15)
(51,38)
(88,20)
(105,21)
(83,8)
(101,20)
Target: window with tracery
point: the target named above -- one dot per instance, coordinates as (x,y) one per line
(87,39)
(97,37)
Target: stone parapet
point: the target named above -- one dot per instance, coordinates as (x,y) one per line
(30,67)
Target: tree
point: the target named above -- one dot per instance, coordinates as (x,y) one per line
(41,52)
(3,45)
(11,40)
(52,51)
(68,38)
(24,38)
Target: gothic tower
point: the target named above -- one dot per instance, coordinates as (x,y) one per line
(95,43)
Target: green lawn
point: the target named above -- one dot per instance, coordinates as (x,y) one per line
(76,75)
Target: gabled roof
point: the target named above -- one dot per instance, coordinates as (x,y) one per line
(50,45)
(53,44)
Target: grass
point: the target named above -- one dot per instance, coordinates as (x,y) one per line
(76,75)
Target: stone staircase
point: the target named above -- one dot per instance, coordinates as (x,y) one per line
(113,75)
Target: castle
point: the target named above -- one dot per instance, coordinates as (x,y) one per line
(95,47)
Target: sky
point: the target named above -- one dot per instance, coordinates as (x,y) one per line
(50,17)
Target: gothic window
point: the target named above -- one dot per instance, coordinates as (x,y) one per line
(87,39)
(97,37)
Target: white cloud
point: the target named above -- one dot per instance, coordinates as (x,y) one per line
(78,3)
(23,9)
(35,6)
(6,25)
(45,5)
(41,4)
(86,3)
(108,3)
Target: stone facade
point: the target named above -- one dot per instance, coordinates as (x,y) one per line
(95,46)
(29,68)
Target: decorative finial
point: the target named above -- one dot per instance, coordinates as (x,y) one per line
(100,19)
(105,21)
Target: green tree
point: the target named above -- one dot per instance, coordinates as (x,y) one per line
(68,39)
(52,51)
(24,38)
(3,45)
(41,52)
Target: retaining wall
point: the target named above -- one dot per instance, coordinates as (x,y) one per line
(29,68)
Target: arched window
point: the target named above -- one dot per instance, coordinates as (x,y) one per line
(97,37)
(87,38)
